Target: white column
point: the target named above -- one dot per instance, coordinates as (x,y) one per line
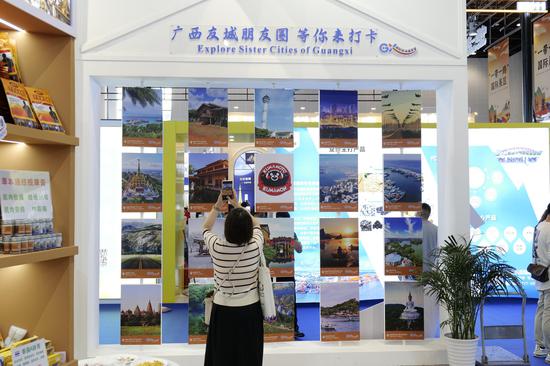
(452,162)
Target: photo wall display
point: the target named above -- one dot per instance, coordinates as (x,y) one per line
(274,174)
(142,117)
(402,182)
(339,238)
(198,329)
(200,262)
(281,329)
(206,174)
(279,245)
(403,246)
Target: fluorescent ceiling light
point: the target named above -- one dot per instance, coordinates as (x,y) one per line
(236,107)
(373,108)
(13,142)
(531,6)
(13,26)
(302,108)
(511,11)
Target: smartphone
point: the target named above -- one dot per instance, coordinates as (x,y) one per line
(227,189)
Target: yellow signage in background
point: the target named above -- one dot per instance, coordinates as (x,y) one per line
(541,68)
(499,82)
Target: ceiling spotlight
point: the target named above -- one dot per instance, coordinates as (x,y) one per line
(518,25)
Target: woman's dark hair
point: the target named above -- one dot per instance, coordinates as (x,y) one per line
(238,226)
(545,214)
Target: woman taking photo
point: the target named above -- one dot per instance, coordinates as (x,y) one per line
(235,334)
(541,256)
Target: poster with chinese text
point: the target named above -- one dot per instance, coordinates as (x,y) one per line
(274,182)
(274,117)
(404,309)
(499,82)
(402,182)
(200,262)
(140,314)
(403,246)
(279,245)
(401,118)
(338,190)
(339,238)
(141,182)
(142,117)
(338,112)
(206,174)
(198,329)
(541,68)
(340,311)
(141,244)
(281,329)
(207,117)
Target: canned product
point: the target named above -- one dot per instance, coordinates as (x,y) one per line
(15,246)
(28,227)
(24,244)
(19,228)
(6,244)
(7,227)
(58,240)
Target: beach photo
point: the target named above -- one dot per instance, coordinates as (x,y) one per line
(404,309)
(401,118)
(142,117)
(403,246)
(402,182)
(207,117)
(281,329)
(141,244)
(338,189)
(340,311)
(338,112)
(206,174)
(274,117)
(140,314)
(198,330)
(274,174)
(279,245)
(200,262)
(339,247)
(141,182)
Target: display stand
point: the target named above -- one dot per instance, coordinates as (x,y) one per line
(37,288)
(131,47)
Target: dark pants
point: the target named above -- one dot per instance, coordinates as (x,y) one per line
(235,336)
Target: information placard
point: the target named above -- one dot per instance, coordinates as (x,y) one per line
(25,195)
(30,354)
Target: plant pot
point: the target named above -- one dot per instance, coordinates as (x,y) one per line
(461,352)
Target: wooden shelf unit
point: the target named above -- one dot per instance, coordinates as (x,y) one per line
(37,289)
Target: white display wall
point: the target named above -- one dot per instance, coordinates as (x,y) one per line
(127,42)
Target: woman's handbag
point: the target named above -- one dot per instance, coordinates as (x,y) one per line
(538,272)
(265,289)
(209,299)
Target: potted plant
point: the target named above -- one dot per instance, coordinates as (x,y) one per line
(460,277)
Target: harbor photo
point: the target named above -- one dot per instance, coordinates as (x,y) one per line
(401,118)
(339,239)
(274,117)
(402,182)
(340,311)
(141,244)
(403,246)
(404,308)
(141,182)
(207,117)
(338,190)
(142,117)
(338,113)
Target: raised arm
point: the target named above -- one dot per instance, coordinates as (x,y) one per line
(211,217)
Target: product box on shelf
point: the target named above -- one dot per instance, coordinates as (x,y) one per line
(13,98)
(44,109)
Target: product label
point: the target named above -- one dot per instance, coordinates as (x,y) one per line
(31,354)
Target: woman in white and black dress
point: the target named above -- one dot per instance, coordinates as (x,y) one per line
(235,334)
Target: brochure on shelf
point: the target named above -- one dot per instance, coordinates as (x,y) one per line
(13,98)
(44,109)
(9,62)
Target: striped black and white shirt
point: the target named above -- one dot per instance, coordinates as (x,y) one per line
(241,288)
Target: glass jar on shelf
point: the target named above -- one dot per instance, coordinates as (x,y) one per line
(7,227)
(19,228)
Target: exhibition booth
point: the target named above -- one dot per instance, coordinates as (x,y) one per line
(202,71)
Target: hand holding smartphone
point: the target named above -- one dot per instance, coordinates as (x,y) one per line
(227,189)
